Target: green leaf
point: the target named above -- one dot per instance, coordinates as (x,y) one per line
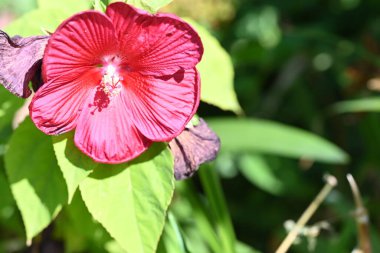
(149,5)
(113,247)
(6,199)
(46,18)
(36,21)
(74,165)
(80,232)
(8,106)
(217,73)
(35,179)
(68,5)
(130,200)
(257,171)
(360,105)
(9,216)
(268,137)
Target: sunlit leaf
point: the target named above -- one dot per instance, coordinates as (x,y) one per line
(130,200)
(269,137)
(47,17)
(149,5)
(69,5)
(34,176)
(74,165)
(36,22)
(217,73)
(113,247)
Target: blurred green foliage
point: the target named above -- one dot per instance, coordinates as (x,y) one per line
(296,62)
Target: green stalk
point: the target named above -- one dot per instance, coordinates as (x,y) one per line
(213,189)
(200,216)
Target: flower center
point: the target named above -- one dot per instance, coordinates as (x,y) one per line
(111,82)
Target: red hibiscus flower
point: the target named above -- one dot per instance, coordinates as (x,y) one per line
(122,80)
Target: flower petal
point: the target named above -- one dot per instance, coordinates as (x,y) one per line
(162,106)
(57,104)
(20,62)
(193,147)
(105,131)
(79,43)
(158,44)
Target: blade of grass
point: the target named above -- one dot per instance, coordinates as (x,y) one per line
(202,220)
(172,240)
(181,241)
(213,189)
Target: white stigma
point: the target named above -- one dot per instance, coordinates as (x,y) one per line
(110,70)
(111,82)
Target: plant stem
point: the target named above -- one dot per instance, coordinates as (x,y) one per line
(202,220)
(361,217)
(218,207)
(331,182)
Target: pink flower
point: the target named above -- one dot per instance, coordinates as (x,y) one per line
(122,80)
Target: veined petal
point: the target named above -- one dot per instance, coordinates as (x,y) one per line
(162,106)
(20,62)
(194,146)
(106,133)
(79,43)
(57,104)
(158,44)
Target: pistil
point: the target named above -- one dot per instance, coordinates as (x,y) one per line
(111,82)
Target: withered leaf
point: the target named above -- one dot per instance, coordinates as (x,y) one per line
(194,146)
(20,62)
